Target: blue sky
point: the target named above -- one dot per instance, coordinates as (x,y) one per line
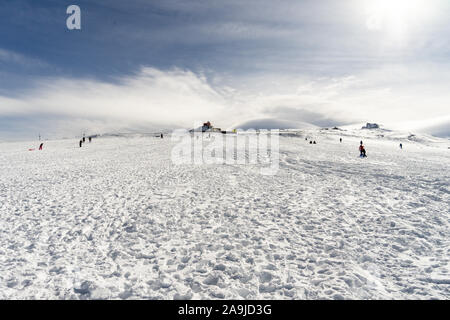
(151,64)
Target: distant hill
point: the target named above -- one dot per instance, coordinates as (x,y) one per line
(271,123)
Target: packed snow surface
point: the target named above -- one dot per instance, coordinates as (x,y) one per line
(116,219)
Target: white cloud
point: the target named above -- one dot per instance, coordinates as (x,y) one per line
(163,99)
(150,97)
(12,57)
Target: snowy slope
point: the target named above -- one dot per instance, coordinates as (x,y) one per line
(116,219)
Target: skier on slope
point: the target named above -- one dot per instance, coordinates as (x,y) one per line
(41,146)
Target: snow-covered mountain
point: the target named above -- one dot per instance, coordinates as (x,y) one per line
(272,123)
(118,219)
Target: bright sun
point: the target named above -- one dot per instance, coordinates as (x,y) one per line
(393,16)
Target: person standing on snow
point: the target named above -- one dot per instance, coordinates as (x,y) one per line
(81,143)
(362,150)
(41,146)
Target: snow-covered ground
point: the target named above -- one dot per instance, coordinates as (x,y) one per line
(117,219)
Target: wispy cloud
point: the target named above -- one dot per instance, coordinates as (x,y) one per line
(154,98)
(11,57)
(151,98)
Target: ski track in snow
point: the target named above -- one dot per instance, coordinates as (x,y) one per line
(117,219)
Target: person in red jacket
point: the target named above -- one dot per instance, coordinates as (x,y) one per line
(362,150)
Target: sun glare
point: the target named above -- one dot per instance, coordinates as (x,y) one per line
(393,16)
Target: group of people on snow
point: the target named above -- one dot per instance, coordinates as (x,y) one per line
(83,140)
(311,141)
(362,149)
